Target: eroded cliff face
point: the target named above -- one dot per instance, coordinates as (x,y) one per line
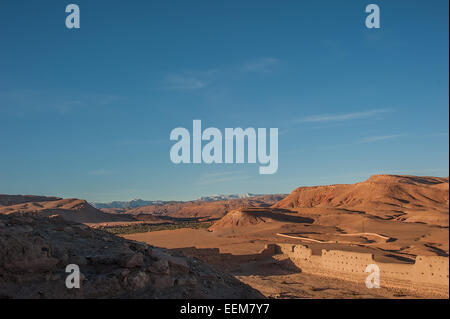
(35,250)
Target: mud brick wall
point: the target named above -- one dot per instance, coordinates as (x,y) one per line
(426,272)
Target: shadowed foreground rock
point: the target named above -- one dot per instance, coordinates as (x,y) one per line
(34,253)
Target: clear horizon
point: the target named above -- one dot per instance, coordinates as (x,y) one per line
(212,194)
(87,113)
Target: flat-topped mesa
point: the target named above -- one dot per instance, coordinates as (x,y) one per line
(407,179)
(379,192)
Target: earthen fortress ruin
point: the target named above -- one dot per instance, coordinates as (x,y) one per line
(429,275)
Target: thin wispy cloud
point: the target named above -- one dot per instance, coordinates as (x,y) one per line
(358,142)
(261,65)
(23,101)
(99,172)
(221,177)
(198,79)
(372,139)
(217,174)
(139,142)
(343,117)
(188,80)
(182,82)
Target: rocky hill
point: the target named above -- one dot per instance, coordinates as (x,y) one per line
(378,192)
(35,250)
(407,198)
(243,218)
(71,209)
(8,200)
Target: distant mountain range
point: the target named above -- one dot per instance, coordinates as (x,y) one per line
(218,197)
(135,203)
(412,199)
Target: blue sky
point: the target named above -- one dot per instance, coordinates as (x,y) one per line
(87,113)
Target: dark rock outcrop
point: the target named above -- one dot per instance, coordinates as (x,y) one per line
(35,250)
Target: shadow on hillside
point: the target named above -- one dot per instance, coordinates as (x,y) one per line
(262,264)
(266,267)
(278,215)
(438,251)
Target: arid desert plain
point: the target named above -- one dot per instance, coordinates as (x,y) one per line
(315,242)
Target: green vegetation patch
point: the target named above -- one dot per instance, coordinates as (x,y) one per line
(144,228)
